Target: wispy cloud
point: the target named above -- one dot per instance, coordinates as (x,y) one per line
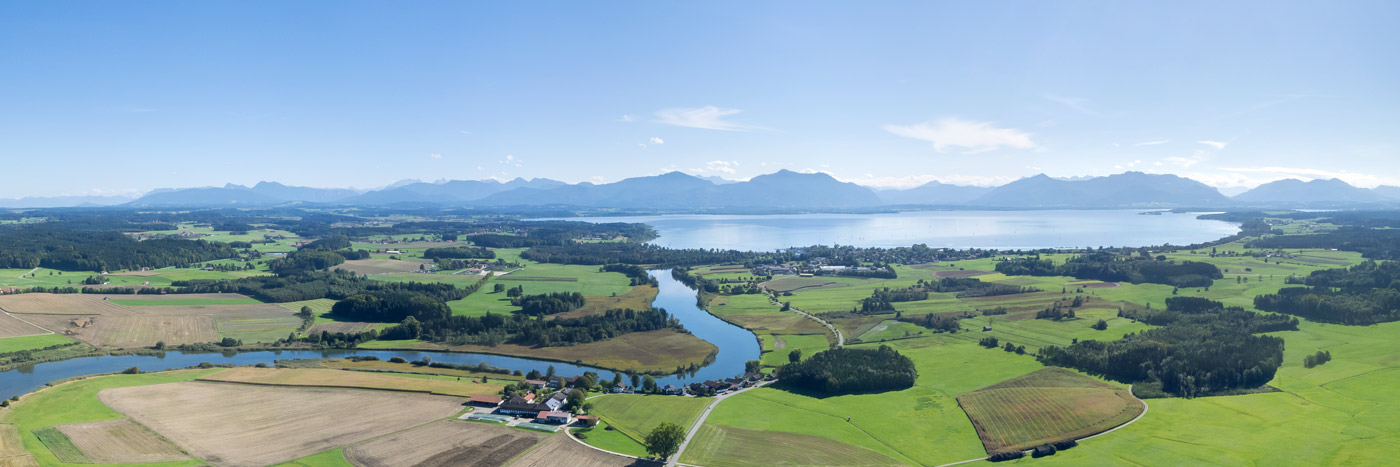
(708,117)
(716,167)
(435,156)
(510,160)
(974,136)
(1218,145)
(655,140)
(464,132)
(1153,143)
(1075,103)
(627,118)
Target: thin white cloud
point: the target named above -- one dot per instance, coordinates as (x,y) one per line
(1075,103)
(464,132)
(974,136)
(655,140)
(1153,143)
(627,118)
(708,118)
(436,156)
(715,168)
(1218,145)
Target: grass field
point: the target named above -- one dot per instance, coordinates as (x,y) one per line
(920,425)
(62,448)
(444,443)
(77,402)
(383,265)
(444,385)
(120,441)
(635,415)
(740,447)
(1053,404)
(245,425)
(784,344)
(612,440)
(331,458)
(15,344)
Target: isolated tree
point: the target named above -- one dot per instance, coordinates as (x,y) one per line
(649,383)
(636,381)
(795,356)
(1101,325)
(664,440)
(498,288)
(160,345)
(751,366)
(549,372)
(575,400)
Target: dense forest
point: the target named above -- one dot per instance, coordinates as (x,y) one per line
(337,285)
(1367,293)
(548,304)
(1194,310)
(459,253)
(1191,355)
(847,370)
(968,287)
(1110,267)
(631,253)
(74,250)
(1371,243)
(495,329)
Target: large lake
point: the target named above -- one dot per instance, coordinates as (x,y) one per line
(948,229)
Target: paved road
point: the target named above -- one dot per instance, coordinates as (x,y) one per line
(695,427)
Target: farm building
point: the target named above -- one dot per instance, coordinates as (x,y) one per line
(622,389)
(672,389)
(553,416)
(556,400)
(537,384)
(588,420)
(484,401)
(521,406)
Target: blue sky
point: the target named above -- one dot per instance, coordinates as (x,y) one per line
(122,97)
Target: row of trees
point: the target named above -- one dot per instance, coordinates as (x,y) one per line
(847,370)
(495,329)
(548,304)
(458,253)
(1200,311)
(1367,293)
(336,284)
(1110,267)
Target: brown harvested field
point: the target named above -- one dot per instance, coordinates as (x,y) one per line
(239,425)
(390,367)
(11,326)
(959,273)
(61,304)
(12,453)
(99,322)
(330,378)
(639,298)
(183,296)
(348,327)
(445,443)
(1046,406)
(382,265)
(660,350)
(548,454)
(120,441)
(776,323)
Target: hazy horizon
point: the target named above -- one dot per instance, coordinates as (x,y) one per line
(120,99)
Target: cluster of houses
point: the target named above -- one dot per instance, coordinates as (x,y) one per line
(548,409)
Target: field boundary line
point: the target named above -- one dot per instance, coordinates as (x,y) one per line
(848,422)
(570,434)
(700,420)
(22,320)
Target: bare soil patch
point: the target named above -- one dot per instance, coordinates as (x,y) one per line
(98,322)
(445,443)
(776,323)
(121,441)
(560,447)
(660,350)
(242,425)
(65,304)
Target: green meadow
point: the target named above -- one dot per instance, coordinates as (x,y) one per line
(15,344)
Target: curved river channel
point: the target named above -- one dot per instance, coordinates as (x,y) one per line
(736,346)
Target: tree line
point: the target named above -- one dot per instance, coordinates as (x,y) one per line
(74,250)
(1111,267)
(1367,293)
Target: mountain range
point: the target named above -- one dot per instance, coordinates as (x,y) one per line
(779,191)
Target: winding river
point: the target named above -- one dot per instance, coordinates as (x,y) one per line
(736,346)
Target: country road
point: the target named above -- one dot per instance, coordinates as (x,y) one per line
(695,427)
(840,339)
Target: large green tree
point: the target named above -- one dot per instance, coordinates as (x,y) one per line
(664,440)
